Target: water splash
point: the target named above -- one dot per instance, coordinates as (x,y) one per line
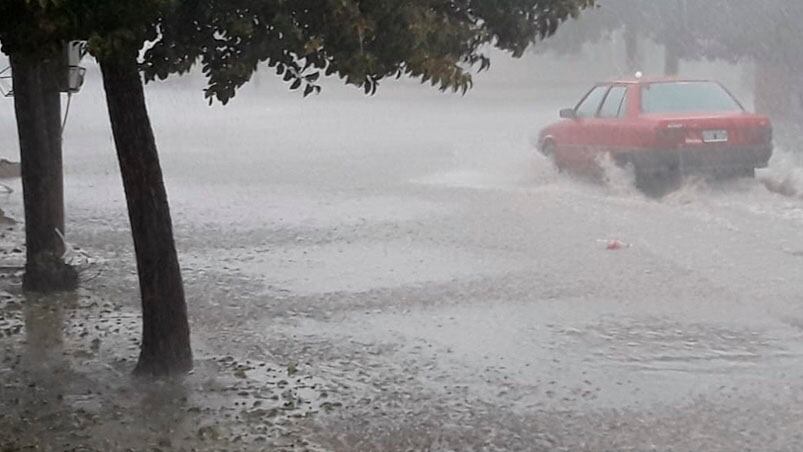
(691,189)
(618,180)
(784,175)
(516,173)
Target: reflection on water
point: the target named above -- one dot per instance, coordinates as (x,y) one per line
(44,329)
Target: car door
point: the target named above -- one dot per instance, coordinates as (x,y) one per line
(609,132)
(581,135)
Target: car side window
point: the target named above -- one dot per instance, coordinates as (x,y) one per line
(614,105)
(589,106)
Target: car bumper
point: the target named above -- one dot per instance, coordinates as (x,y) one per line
(689,160)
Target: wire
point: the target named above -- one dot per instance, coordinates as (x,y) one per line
(3,91)
(66,114)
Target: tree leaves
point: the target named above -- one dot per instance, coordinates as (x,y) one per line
(768,30)
(359,41)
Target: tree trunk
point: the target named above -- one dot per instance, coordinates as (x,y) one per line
(772,87)
(775,96)
(632,54)
(671,58)
(165,329)
(37,105)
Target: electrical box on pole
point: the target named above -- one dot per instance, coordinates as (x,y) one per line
(5,82)
(72,74)
(73,78)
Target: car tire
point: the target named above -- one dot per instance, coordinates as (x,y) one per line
(659,182)
(548,149)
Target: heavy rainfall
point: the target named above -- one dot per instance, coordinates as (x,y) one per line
(409,269)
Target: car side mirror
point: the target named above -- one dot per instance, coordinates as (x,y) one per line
(568,113)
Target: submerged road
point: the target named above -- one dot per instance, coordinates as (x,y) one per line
(452,291)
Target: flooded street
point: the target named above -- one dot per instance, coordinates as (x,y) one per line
(413,271)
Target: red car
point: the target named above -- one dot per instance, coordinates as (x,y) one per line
(664,128)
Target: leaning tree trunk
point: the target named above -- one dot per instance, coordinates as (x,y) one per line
(37,105)
(165,329)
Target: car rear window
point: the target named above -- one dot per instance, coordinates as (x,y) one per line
(687,97)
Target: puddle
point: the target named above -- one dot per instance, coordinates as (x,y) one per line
(361,266)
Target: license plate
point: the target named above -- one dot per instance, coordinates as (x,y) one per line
(715,136)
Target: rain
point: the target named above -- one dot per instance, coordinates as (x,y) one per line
(407,270)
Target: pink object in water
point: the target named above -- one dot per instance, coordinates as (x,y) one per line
(614,245)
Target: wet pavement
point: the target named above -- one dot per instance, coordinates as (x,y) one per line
(417,279)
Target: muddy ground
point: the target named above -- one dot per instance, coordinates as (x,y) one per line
(411,276)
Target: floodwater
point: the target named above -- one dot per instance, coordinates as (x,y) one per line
(405,273)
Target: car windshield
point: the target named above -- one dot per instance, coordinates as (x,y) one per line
(687,97)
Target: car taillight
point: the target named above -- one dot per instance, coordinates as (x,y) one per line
(670,137)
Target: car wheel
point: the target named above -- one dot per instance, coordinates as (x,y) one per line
(657,182)
(548,148)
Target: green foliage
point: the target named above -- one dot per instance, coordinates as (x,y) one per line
(768,30)
(764,30)
(33,28)
(37,28)
(117,28)
(361,42)
(657,20)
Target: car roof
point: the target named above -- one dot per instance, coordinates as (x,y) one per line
(648,80)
